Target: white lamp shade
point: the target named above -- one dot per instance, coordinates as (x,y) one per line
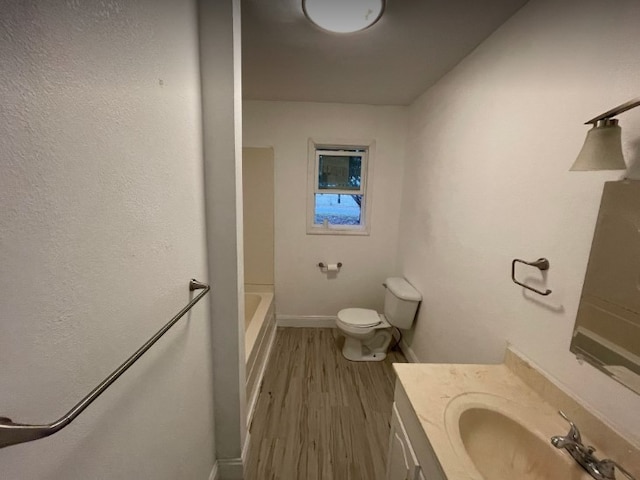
(602,150)
(343,16)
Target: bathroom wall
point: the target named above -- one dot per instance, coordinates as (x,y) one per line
(220,65)
(487,180)
(302,290)
(101,228)
(258,214)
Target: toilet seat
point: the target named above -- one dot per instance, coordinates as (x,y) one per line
(359,317)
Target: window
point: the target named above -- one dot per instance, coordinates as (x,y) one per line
(338,176)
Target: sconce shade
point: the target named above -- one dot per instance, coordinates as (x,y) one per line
(602,149)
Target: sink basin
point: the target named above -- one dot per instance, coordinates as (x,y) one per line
(495,441)
(502,448)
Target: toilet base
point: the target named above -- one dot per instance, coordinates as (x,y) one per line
(370,350)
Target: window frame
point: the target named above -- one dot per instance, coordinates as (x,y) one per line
(345,148)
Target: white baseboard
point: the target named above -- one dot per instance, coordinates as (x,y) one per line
(309,321)
(214,472)
(408,353)
(230,469)
(327,321)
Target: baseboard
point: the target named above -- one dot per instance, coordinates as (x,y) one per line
(308,321)
(230,469)
(326,321)
(214,472)
(409,354)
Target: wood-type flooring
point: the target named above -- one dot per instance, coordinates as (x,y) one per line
(320,416)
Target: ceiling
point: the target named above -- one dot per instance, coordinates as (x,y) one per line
(285,57)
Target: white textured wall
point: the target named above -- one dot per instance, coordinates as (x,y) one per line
(301,288)
(487,180)
(101,227)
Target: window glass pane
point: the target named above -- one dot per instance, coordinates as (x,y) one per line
(337,209)
(340,172)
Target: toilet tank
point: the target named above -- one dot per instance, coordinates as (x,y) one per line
(401,301)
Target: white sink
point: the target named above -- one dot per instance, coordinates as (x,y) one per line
(496,439)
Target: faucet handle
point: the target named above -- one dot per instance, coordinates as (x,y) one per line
(574,433)
(609,467)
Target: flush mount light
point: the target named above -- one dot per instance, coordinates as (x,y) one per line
(343,16)
(602,149)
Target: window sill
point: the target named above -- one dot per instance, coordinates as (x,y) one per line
(337,231)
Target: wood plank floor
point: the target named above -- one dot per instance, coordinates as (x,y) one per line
(320,416)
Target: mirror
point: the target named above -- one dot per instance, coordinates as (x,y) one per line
(607,329)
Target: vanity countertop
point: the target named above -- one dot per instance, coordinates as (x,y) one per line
(427,390)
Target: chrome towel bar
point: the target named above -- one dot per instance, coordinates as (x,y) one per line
(12,433)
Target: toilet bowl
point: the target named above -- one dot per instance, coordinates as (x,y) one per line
(368,333)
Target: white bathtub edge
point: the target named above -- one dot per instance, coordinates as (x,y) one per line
(253,401)
(255,324)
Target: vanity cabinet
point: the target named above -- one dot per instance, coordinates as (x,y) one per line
(410,456)
(402,463)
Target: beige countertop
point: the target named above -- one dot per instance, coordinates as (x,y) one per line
(431,391)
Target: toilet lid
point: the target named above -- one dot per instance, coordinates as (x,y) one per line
(359,317)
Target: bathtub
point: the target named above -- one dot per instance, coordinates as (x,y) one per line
(259,333)
(257,309)
(251,303)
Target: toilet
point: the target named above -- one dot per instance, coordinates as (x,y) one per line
(368,333)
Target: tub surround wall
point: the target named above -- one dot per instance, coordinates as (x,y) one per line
(487,180)
(304,293)
(101,228)
(258,194)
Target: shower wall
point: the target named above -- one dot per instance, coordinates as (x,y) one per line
(258,195)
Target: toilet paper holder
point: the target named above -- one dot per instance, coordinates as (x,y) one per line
(324,265)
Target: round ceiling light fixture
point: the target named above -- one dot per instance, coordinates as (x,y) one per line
(343,16)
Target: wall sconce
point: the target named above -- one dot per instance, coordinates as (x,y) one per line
(343,16)
(602,149)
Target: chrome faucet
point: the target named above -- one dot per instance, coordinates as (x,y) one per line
(599,469)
